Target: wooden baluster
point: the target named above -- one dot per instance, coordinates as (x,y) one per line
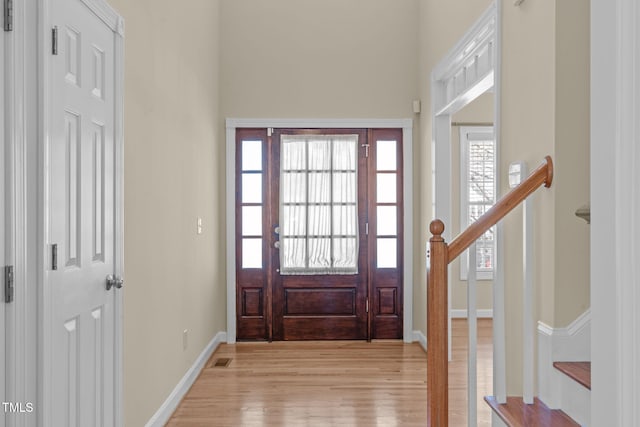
(437,339)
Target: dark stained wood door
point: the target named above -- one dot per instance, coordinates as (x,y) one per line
(385,233)
(253,291)
(320,306)
(275,306)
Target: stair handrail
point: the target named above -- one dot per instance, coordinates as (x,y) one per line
(542,175)
(440,256)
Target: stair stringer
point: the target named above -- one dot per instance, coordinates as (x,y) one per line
(569,344)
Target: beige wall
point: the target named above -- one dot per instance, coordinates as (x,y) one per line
(545,110)
(527,134)
(173,155)
(323,59)
(481,110)
(572,279)
(318,59)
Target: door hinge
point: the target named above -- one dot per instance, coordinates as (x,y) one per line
(366,150)
(366,228)
(367,305)
(8,284)
(54,40)
(8,15)
(54,256)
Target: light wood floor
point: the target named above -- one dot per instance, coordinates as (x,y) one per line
(335,383)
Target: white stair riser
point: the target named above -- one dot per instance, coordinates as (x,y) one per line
(575,400)
(496,421)
(555,389)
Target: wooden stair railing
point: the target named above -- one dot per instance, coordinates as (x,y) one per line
(441,255)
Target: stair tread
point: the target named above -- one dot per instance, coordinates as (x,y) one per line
(515,413)
(579,371)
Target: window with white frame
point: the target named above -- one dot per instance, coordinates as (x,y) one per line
(478,193)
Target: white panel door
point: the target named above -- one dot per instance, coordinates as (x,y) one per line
(81,219)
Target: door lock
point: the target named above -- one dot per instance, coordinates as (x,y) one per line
(114,281)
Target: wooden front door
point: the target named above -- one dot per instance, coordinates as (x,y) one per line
(312,260)
(319,207)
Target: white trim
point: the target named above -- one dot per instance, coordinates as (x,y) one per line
(407,139)
(407,274)
(45,313)
(496,421)
(548,377)
(119,215)
(482,313)
(418,336)
(471,68)
(528,303)
(107,14)
(572,343)
(615,205)
(575,400)
(163,414)
(231,232)
(21,121)
(499,305)
(6,201)
(578,326)
(467,70)
(319,123)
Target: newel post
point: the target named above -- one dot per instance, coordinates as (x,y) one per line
(437,337)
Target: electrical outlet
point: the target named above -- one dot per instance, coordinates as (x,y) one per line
(185,339)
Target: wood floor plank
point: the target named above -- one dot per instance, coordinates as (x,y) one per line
(324,383)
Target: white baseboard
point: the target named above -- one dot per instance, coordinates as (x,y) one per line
(165,411)
(570,344)
(419,337)
(462,314)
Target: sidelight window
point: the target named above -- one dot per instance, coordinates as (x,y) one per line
(252,203)
(319,204)
(387,202)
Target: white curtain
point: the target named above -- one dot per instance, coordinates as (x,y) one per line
(318,204)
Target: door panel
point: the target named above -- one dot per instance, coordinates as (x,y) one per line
(81,214)
(252,291)
(386,233)
(320,301)
(321,306)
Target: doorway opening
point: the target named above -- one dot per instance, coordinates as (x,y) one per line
(469,71)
